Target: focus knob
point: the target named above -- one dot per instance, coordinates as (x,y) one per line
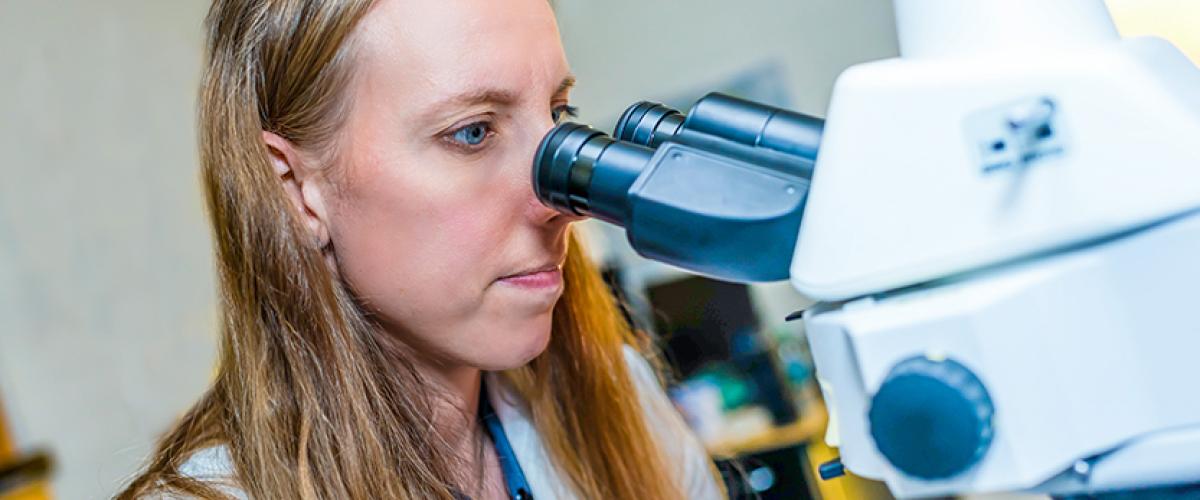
(932,419)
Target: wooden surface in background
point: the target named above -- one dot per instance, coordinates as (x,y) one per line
(810,431)
(811,425)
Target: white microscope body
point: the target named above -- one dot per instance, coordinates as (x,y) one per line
(1003,232)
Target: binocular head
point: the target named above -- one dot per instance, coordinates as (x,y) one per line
(684,186)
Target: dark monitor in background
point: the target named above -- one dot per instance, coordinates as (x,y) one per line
(697,317)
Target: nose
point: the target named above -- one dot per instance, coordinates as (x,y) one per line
(543,215)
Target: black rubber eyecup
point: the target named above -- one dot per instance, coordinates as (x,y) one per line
(555,159)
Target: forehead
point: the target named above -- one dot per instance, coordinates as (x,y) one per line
(427,49)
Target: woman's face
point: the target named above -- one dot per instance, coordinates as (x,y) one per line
(431,215)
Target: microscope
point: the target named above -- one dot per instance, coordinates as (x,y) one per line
(1001,229)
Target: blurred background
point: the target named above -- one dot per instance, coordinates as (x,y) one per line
(107,303)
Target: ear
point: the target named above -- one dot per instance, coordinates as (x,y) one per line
(303,188)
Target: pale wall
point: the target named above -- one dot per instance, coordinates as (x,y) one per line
(106,288)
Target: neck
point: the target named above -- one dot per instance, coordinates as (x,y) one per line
(454,392)
(457,387)
(453,388)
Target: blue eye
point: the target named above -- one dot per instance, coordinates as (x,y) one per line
(557,113)
(473,134)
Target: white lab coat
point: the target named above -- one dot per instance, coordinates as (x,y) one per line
(685,453)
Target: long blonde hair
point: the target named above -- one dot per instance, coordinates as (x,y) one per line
(309,399)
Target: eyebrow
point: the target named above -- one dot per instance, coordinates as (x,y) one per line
(488,95)
(567,84)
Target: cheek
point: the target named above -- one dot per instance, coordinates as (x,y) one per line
(421,249)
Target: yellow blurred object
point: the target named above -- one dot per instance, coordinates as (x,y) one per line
(38,490)
(7,448)
(847,487)
(1174,20)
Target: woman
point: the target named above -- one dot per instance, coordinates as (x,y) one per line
(387,275)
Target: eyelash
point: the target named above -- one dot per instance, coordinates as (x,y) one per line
(567,109)
(451,137)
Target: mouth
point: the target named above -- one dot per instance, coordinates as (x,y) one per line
(546,276)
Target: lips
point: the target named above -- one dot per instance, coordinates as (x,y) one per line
(536,270)
(549,276)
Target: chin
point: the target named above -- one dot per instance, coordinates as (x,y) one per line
(517,346)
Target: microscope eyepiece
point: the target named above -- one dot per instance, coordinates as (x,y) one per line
(648,124)
(726,118)
(757,125)
(583,171)
(554,163)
